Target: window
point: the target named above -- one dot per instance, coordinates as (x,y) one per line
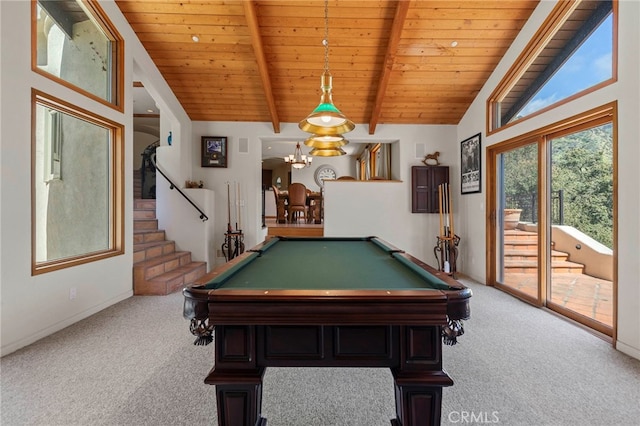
(572,53)
(77,175)
(78,48)
(375,162)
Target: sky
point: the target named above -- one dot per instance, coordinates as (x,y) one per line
(589,65)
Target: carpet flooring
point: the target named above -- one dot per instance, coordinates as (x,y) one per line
(134,364)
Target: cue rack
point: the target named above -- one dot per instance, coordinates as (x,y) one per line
(233,238)
(446,249)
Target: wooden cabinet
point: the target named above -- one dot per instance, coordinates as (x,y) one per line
(424,187)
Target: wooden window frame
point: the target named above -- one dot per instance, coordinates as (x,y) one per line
(99,17)
(116,184)
(560,13)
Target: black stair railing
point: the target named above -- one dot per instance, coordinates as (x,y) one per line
(203,216)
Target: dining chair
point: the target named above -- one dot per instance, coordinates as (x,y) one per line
(276,194)
(297,201)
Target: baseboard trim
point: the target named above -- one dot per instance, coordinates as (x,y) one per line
(628,350)
(26,341)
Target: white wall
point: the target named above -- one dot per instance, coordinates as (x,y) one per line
(344,166)
(419,230)
(382,208)
(35,306)
(627,92)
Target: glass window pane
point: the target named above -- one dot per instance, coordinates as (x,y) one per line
(518,230)
(72,186)
(582,223)
(589,65)
(73,47)
(572,52)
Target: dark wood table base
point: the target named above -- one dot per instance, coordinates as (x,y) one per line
(413,353)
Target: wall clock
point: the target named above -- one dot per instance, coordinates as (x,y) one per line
(324,172)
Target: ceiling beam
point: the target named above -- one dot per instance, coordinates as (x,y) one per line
(389,60)
(256,42)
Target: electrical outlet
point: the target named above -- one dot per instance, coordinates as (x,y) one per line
(219,253)
(73,293)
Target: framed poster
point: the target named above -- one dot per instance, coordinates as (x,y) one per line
(214,151)
(470,164)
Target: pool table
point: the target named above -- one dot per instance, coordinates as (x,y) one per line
(318,302)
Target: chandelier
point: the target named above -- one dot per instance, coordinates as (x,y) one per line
(326,122)
(298,160)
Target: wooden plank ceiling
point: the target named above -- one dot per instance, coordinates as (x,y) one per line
(393,62)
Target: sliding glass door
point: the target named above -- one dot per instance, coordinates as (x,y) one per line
(552,229)
(517,235)
(582,235)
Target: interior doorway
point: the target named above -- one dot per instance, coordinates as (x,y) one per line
(552,233)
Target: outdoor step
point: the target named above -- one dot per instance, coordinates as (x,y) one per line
(531,266)
(151,268)
(532,254)
(517,234)
(145,251)
(171,281)
(521,244)
(145,224)
(147,236)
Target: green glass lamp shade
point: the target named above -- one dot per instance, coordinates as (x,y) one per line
(326,119)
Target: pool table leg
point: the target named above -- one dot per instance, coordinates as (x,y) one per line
(419,397)
(238,396)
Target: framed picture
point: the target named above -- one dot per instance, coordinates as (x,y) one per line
(470,164)
(214,151)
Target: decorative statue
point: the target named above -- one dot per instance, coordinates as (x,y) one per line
(432,159)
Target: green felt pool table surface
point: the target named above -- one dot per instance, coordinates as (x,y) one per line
(326,263)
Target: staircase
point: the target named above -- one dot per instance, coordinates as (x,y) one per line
(521,255)
(158,269)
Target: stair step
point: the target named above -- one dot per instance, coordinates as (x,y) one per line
(144,204)
(529,254)
(521,255)
(158,269)
(151,268)
(144,214)
(147,236)
(518,234)
(531,266)
(521,241)
(145,224)
(171,281)
(145,251)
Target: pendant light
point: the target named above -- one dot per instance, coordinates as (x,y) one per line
(298,160)
(327,152)
(324,142)
(326,120)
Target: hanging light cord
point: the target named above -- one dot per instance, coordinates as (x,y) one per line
(326,36)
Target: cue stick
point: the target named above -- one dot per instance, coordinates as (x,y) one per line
(440,206)
(446,226)
(239,210)
(452,234)
(228,209)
